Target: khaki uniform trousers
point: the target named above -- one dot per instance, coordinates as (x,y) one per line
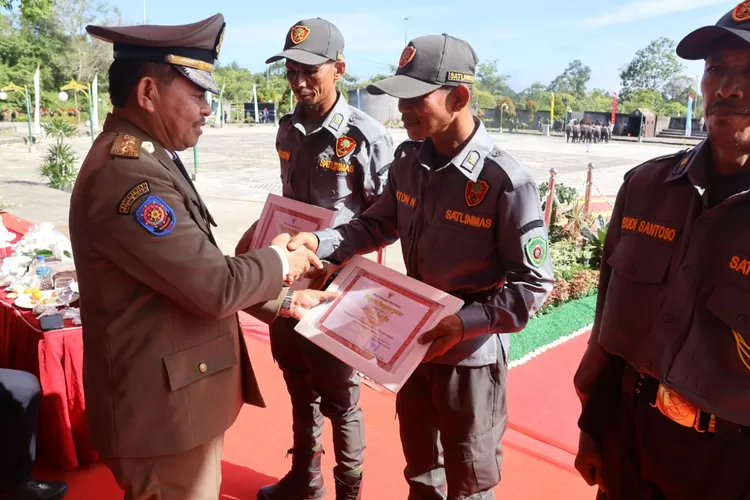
(191,475)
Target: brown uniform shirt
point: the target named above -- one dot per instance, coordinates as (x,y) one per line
(165,366)
(675,284)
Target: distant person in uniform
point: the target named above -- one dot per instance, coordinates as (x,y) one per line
(333,156)
(576,130)
(20,396)
(166,368)
(470,223)
(568,128)
(665,380)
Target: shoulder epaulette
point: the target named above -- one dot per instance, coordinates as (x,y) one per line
(518,173)
(126,146)
(679,154)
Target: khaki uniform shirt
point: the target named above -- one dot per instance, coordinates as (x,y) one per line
(675,284)
(341,166)
(472,227)
(165,365)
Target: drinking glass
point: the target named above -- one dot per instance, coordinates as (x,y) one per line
(64,292)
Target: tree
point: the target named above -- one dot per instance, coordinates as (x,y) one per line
(490,80)
(30,10)
(573,80)
(644,99)
(652,67)
(596,100)
(679,88)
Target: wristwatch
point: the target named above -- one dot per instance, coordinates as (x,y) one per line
(286,305)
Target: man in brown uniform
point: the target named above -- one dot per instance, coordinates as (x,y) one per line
(166,369)
(665,381)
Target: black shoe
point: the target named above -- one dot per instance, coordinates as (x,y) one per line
(348,486)
(303,482)
(34,489)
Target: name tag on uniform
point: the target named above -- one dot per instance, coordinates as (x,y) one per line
(470,220)
(648,228)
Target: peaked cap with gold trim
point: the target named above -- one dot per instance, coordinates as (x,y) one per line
(191,48)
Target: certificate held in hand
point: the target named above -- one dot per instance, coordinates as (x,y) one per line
(284,215)
(374,324)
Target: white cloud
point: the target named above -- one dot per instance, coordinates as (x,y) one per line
(646,9)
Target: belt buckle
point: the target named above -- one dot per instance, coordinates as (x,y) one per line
(676,408)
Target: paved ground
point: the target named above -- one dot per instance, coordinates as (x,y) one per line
(238,166)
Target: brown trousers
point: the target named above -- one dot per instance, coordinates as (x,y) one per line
(191,475)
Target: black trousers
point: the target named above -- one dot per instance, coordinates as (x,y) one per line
(19,411)
(320,386)
(647,456)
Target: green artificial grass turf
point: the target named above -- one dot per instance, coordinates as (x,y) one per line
(542,330)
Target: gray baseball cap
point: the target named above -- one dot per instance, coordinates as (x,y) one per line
(428,63)
(700,43)
(312,42)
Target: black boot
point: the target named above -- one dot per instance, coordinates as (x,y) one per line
(348,485)
(34,489)
(303,482)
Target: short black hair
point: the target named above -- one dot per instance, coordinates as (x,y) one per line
(124,75)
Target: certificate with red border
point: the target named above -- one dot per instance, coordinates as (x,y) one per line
(284,215)
(374,324)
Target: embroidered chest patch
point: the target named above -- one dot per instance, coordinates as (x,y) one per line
(475,192)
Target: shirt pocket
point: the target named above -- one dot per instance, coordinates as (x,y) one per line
(635,294)
(729,336)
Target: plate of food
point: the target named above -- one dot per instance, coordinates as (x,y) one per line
(35,297)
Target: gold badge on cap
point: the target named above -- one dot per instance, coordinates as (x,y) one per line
(406,56)
(299,34)
(742,11)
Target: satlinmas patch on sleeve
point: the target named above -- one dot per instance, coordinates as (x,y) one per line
(126,203)
(156,216)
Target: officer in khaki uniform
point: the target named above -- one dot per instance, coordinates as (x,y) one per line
(336,157)
(166,369)
(470,223)
(665,381)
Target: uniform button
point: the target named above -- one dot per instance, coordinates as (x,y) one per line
(668,318)
(742,319)
(637,391)
(642,376)
(203,367)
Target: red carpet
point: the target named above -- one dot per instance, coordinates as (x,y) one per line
(542,403)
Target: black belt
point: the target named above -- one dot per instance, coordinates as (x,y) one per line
(638,388)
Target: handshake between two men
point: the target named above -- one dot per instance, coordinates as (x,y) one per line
(303,261)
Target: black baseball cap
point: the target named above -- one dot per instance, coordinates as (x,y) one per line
(312,42)
(428,63)
(700,43)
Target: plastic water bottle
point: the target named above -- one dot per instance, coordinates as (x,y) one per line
(42,273)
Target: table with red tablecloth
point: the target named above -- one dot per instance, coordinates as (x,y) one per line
(56,358)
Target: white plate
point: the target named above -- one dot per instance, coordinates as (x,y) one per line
(24,301)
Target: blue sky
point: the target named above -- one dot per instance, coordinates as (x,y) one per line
(532,40)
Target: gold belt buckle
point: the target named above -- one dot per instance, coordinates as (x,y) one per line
(676,408)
